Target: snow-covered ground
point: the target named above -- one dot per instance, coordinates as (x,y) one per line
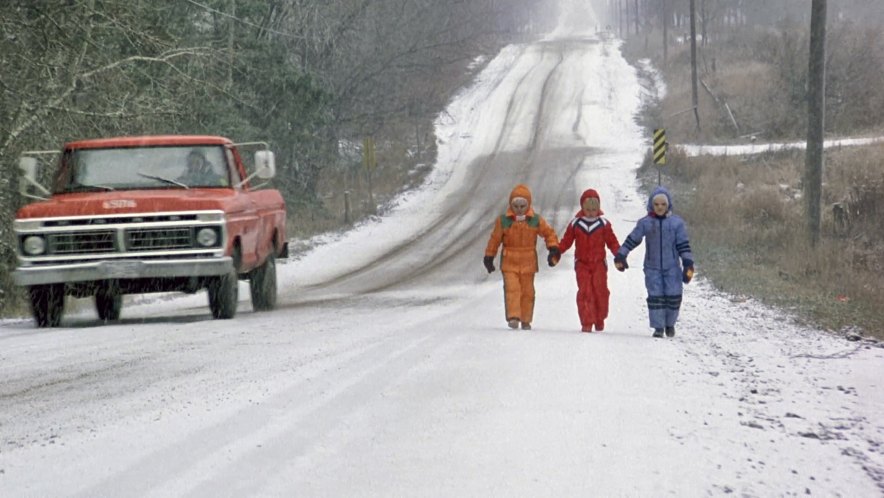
(767,147)
(387,369)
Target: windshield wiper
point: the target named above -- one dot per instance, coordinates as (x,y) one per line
(162,179)
(80,186)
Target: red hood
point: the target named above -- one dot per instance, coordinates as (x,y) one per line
(128,202)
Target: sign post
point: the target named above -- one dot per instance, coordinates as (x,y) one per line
(368,158)
(659,149)
(370,162)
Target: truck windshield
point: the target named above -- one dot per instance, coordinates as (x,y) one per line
(143,167)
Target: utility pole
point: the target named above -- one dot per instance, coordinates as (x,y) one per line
(816,117)
(626,16)
(610,14)
(636,17)
(664,17)
(703,33)
(230,55)
(694,92)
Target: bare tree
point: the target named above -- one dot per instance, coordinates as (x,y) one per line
(299,73)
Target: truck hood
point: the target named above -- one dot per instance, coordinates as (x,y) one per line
(129,202)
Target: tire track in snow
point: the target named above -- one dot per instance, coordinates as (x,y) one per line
(211,459)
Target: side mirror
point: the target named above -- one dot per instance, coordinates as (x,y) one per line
(265,164)
(28,167)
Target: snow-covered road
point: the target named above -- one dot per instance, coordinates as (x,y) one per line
(388,369)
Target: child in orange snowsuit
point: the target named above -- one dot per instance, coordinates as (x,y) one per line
(590,233)
(518,230)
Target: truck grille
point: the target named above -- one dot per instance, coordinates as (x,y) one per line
(147,239)
(82,242)
(116,220)
(154,235)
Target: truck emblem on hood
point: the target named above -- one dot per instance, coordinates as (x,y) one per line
(118,203)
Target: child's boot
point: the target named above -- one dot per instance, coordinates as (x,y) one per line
(526,326)
(586,328)
(670,331)
(599,325)
(658,333)
(513,323)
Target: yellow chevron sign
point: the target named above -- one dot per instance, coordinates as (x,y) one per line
(660,146)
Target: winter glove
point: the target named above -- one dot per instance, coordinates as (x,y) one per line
(489,263)
(688,273)
(620,263)
(554,255)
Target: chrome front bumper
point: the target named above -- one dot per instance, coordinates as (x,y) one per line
(121,269)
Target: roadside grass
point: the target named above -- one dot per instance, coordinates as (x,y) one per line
(349,192)
(747,223)
(746,215)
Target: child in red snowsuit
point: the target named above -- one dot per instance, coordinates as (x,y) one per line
(590,233)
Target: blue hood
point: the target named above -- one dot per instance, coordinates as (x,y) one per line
(659,190)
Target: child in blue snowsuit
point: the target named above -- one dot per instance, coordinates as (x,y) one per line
(667,242)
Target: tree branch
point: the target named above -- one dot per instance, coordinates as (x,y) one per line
(82,77)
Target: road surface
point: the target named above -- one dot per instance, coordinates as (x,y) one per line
(387,369)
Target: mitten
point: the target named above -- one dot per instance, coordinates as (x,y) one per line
(620,263)
(489,263)
(688,273)
(554,255)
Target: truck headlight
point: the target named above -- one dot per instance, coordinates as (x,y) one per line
(33,245)
(207,237)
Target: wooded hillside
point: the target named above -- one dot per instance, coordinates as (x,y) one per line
(300,74)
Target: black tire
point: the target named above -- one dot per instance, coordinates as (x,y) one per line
(108,304)
(223,295)
(47,304)
(262,285)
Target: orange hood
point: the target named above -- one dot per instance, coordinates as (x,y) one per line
(520,190)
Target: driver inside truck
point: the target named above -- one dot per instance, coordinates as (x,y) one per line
(201,172)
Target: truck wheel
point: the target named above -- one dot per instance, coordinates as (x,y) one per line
(262,284)
(108,303)
(223,295)
(47,304)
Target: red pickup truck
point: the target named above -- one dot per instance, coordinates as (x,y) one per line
(134,215)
